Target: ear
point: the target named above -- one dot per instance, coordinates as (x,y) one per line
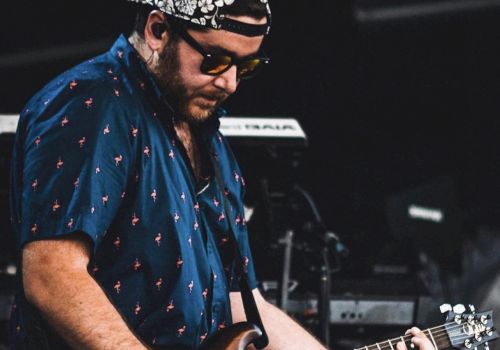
(154,38)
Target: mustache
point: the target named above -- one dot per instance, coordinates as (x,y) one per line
(218,96)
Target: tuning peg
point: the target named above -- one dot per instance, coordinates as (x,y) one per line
(459,309)
(484,319)
(468,343)
(472,308)
(445,308)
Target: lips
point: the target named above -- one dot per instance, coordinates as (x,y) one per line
(213,99)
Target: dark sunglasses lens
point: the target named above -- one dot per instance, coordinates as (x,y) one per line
(248,69)
(216,64)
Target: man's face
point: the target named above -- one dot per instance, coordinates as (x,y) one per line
(195,94)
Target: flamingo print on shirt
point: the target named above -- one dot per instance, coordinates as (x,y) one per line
(121,179)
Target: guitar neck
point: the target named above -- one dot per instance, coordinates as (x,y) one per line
(437,335)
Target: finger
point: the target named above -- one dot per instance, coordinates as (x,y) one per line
(421,340)
(401,346)
(417,341)
(413,331)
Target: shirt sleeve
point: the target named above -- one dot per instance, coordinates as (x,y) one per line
(72,162)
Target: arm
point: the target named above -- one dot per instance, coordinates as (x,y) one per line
(283,331)
(57,283)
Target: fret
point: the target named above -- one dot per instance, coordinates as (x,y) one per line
(390,344)
(408,344)
(378,346)
(432,339)
(442,335)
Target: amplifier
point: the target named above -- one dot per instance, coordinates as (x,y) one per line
(365,310)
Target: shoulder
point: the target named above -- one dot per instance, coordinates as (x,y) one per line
(86,95)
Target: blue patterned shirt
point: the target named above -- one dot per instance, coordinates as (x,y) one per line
(96,152)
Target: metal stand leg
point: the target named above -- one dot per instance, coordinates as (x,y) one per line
(324,299)
(287,241)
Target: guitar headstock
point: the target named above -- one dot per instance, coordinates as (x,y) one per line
(468,329)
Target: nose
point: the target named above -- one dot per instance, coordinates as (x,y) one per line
(228,80)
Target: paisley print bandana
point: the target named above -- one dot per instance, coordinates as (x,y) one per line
(205,13)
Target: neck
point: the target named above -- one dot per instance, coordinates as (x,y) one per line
(185,135)
(437,335)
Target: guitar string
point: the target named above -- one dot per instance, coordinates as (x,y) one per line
(438,335)
(444,329)
(441,340)
(449,329)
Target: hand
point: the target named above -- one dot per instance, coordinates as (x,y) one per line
(418,338)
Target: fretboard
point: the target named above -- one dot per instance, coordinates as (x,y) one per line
(437,335)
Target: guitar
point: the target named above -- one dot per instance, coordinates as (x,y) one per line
(235,337)
(462,330)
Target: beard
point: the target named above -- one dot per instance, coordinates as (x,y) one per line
(188,106)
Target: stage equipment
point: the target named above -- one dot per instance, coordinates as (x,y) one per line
(364,310)
(263,131)
(429,215)
(368,11)
(290,227)
(8,124)
(8,257)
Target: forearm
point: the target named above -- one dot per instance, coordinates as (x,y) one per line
(285,333)
(282,330)
(57,283)
(79,311)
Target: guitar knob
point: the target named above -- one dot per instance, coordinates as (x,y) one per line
(459,309)
(445,308)
(489,331)
(485,318)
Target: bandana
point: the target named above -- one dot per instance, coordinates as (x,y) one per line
(205,13)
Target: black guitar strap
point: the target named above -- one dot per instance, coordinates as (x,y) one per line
(251,311)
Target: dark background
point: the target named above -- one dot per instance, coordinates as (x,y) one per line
(388,103)
(392,95)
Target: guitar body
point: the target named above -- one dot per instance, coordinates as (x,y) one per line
(235,337)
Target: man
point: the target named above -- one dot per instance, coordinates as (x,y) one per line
(123,225)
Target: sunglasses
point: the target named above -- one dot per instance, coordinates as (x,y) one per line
(216,64)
